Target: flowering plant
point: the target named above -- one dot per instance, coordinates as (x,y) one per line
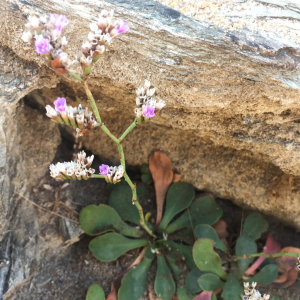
(185,216)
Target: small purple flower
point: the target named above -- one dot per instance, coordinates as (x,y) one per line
(59,21)
(149,112)
(42,46)
(122,27)
(104,169)
(60,104)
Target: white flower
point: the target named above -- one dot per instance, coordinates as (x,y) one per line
(91,36)
(93,27)
(159,105)
(26,37)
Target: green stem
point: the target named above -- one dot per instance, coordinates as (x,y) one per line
(128,130)
(134,194)
(74,75)
(92,101)
(121,153)
(98,176)
(279,254)
(105,129)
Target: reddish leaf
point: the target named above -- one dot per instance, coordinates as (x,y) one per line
(117,282)
(162,174)
(204,296)
(220,228)
(271,247)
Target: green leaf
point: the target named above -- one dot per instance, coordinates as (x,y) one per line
(210,282)
(232,288)
(183,295)
(179,197)
(266,275)
(184,235)
(176,270)
(244,245)
(121,200)
(133,284)
(191,281)
(206,259)
(110,246)
(95,219)
(203,210)
(164,285)
(95,292)
(146,178)
(206,231)
(145,169)
(186,251)
(254,226)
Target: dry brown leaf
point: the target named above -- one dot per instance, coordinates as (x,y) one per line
(287,265)
(162,174)
(291,277)
(176,177)
(117,282)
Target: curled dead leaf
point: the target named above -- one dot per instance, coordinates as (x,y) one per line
(287,266)
(221,229)
(161,169)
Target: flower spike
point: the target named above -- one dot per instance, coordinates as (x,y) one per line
(79,118)
(147,106)
(79,169)
(111,174)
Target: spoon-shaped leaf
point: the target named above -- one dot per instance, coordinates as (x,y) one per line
(186,251)
(110,246)
(266,275)
(183,295)
(254,226)
(232,288)
(244,245)
(206,259)
(95,292)
(95,219)
(203,210)
(206,231)
(164,284)
(191,281)
(133,284)
(205,296)
(210,282)
(173,264)
(185,235)
(121,200)
(179,197)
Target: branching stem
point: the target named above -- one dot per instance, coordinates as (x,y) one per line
(279,254)
(121,154)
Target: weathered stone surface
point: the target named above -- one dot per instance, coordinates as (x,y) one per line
(230,124)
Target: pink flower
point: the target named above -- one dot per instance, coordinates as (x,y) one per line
(149,112)
(122,27)
(60,104)
(59,21)
(42,46)
(104,169)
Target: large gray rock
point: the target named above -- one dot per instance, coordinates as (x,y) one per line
(230,124)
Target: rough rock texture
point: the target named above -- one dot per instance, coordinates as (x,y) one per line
(230,124)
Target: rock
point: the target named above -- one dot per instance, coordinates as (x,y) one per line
(230,125)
